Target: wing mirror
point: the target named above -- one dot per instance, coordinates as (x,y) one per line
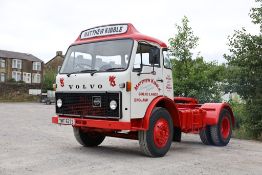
(154,55)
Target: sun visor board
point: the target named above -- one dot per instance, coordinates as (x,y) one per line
(104,31)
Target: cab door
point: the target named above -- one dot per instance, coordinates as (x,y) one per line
(167,75)
(146,78)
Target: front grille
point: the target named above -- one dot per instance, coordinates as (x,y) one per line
(86,105)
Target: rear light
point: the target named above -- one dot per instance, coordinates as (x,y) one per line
(128,86)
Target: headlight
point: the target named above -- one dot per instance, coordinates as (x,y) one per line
(113,104)
(59,103)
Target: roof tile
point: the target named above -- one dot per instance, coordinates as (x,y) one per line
(18,55)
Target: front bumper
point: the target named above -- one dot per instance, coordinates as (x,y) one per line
(134,125)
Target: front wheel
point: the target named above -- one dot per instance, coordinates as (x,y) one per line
(221,133)
(156,141)
(88,139)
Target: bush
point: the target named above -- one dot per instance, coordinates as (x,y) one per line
(246,126)
(49,79)
(11,80)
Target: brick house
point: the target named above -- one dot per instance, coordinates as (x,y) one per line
(55,63)
(20,67)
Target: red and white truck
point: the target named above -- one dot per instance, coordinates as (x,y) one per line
(117,82)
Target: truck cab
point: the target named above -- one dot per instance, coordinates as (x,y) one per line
(117,82)
(126,71)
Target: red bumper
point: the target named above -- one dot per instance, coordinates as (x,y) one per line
(102,124)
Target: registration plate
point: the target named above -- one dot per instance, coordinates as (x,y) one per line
(66,121)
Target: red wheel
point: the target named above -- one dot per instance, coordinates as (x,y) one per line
(221,133)
(225,127)
(156,141)
(161,132)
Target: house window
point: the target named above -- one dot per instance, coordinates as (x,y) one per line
(16,75)
(36,78)
(37,66)
(17,64)
(2,63)
(2,77)
(27,77)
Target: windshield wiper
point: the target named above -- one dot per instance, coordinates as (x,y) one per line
(82,71)
(93,71)
(115,68)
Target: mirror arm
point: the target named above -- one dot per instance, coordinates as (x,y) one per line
(141,63)
(153,72)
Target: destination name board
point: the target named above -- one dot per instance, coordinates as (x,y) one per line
(104,31)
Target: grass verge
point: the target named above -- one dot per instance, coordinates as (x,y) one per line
(19,98)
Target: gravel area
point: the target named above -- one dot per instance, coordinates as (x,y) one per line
(31,144)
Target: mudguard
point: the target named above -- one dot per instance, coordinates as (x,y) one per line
(165,102)
(213,111)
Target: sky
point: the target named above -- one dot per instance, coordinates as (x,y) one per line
(42,27)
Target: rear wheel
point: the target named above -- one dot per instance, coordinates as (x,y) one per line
(205,136)
(88,139)
(221,133)
(156,141)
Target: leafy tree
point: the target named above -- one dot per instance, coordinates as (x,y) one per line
(193,77)
(245,71)
(256,14)
(49,79)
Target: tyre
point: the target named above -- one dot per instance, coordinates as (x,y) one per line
(205,136)
(88,139)
(177,134)
(156,141)
(221,133)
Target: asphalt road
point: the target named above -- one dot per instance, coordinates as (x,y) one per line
(30,144)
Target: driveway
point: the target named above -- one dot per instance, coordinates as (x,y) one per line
(31,144)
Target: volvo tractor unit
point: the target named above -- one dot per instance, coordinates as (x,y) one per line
(118,82)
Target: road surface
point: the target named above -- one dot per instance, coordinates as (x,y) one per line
(31,145)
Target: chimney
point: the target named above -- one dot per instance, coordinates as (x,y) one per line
(59,53)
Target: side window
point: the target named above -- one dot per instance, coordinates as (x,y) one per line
(144,56)
(167,61)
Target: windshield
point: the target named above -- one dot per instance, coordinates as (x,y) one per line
(99,56)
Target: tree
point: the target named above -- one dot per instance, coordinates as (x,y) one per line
(245,71)
(256,15)
(193,77)
(49,79)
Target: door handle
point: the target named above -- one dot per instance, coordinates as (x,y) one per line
(160,80)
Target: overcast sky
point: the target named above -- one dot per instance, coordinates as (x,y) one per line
(41,27)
